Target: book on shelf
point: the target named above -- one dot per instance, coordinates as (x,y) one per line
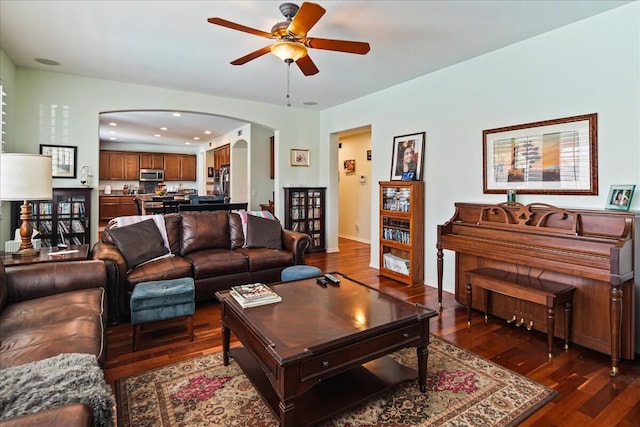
(253,295)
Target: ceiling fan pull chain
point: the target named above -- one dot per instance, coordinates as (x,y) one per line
(289,82)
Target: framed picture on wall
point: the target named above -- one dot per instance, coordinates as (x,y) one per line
(558,156)
(299,157)
(407,156)
(63,159)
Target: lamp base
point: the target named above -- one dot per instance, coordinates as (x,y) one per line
(26,253)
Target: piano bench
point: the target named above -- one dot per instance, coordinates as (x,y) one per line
(526,288)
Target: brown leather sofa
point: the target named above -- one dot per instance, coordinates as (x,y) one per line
(48,309)
(208,246)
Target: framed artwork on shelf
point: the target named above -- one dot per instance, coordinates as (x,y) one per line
(407,156)
(64,159)
(556,156)
(299,157)
(620,197)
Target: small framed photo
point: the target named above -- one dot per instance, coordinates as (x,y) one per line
(350,166)
(210,172)
(620,197)
(63,159)
(299,157)
(407,156)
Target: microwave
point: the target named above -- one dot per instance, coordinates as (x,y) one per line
(151,175)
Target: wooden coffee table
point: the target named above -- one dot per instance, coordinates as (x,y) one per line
(324,349)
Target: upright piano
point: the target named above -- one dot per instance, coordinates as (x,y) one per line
(596,251)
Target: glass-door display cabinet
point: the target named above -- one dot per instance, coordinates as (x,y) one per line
(63,219)
(304,212)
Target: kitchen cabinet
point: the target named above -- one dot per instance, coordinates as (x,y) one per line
(172,167)
(179,167)
(119,165)
(188,168)
(222,156)
(115,206)
(126,165)
(151,161)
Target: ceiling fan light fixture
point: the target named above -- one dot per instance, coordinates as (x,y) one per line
(289,50)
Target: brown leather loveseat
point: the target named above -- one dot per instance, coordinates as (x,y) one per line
(218,249)
(48,310)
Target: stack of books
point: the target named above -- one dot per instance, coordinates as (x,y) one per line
(253,295)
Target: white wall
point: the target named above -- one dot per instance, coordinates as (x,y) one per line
(37,91)
(588,67)
(354,200)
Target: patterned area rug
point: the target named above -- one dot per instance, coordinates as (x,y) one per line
(463,390)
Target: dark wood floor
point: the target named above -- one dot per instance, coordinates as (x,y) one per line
(588,395)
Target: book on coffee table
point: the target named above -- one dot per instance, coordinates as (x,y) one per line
(253,295)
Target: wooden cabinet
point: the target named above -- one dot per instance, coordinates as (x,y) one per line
(172,167)
(179,167)
(115,206)
(151,161)
(119,165)
(222,156)
(304,212)
(126,165)
(402,231)
(187,168)
(68,212)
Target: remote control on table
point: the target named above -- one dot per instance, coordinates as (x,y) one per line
(321,281)
(331,278)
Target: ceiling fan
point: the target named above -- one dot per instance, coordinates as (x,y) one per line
(291,37)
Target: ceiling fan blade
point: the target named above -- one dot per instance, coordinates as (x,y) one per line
(306,17)
(235,26)
(337,45)
(253,55)
(307,66)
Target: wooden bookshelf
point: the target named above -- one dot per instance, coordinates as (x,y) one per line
(402,231)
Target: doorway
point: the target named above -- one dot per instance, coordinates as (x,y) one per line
(354,184)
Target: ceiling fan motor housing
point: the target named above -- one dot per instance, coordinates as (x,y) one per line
(289,10)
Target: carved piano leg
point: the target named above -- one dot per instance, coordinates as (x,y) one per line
(486,304)
(469,299)
(440,273)
(568,306)
(551,323)
(615,319)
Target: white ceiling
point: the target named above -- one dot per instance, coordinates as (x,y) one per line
(170,44)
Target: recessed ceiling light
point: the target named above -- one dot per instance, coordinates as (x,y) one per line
(45,61)
(113,138)
(164,128)
(207,132)
(157,135)
(112,131)
(196,138)
(113,124)
(187,143)
(310,103)
(176,114)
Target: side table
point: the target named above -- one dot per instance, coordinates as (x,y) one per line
(49,254)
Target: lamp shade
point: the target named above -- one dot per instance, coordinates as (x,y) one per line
(25,177)
(289,50)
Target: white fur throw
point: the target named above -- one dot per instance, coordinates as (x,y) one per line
(55,382)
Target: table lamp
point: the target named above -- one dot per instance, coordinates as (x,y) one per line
(25,177)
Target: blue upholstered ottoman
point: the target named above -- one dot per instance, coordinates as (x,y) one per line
(161,300)
(297,272)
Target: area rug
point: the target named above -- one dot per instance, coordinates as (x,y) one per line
(463,390)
